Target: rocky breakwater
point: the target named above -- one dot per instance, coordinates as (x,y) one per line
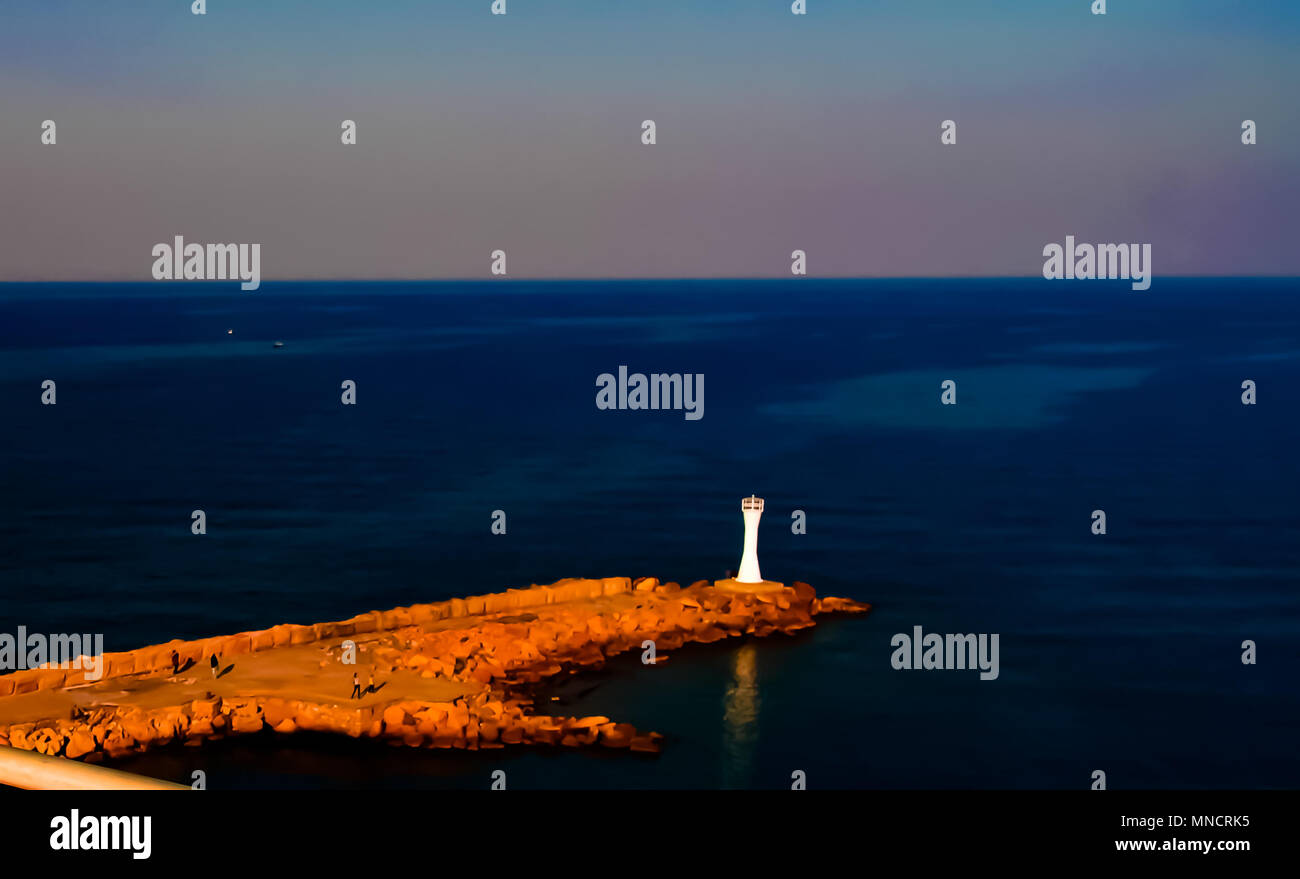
(455,674)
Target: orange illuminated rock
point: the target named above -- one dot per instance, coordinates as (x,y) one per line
(587,722)
(245,723)
(120,664)
(616,735)
(454,673)
(644,744)
(281,635)
(118,745)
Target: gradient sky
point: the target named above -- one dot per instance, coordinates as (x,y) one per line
(522,132)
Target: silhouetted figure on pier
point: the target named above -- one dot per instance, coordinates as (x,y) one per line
(356,687)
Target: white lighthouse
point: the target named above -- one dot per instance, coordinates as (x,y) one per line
(752,509)
(749,579)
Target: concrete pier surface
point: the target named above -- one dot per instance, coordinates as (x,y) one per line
(454,674)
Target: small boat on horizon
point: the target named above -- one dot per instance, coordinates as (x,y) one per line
(278,345)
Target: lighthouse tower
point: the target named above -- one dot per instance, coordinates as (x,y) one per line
(752,509)
(749,579)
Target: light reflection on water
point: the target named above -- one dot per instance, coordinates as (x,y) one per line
(740,720)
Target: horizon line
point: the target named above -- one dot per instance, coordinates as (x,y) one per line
(606,280)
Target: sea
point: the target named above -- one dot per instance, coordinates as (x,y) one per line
(1119,652)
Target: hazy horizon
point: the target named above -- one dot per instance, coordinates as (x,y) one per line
(234,282)
(522,133)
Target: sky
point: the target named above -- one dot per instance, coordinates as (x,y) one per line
(522,133)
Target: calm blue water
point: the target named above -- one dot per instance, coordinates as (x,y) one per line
(1119,653)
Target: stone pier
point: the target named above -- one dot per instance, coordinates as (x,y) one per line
(454,674)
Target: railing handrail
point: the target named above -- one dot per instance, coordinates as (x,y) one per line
(33,771)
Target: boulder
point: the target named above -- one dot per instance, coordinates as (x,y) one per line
(644,744)
(588,722)
(119,745)
(204,708)
(18,736)
(616,585)
(616,735)
(49,741)
(246,723)
(394,716)
(274,711)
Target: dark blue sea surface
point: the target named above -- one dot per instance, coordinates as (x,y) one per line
(1119,653)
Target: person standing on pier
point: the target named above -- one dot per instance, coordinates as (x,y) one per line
(356,687)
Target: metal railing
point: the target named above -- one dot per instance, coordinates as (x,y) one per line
(32,771)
